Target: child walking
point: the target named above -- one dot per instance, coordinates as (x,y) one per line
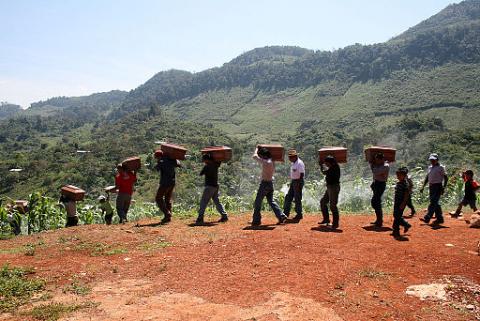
(400,202)
(470,198)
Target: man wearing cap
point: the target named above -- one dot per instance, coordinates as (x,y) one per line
(297,175)
(437,180)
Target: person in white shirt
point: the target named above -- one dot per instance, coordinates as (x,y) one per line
(297,175)
(264,158)
(437,180)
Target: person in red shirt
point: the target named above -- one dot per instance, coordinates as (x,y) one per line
(124,181)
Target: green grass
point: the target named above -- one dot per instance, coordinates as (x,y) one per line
(17,287)
(55,311)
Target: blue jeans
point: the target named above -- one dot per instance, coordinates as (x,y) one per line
(266,190)
(210,193)
(294,194)
(378,189)
(434,206)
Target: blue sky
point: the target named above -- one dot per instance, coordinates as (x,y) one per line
(77,47)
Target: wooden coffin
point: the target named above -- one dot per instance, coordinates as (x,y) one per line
(21,206)
(277,151)
(132,164)
(173,151)
(340,153)
(74,193)
(219,153)
(388,153)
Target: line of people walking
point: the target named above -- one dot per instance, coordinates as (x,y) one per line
(436,179)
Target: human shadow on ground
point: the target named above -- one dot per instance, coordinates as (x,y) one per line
(438,227)
(265,227)
(149,224)
(205,224)
(373,228)
(326,229)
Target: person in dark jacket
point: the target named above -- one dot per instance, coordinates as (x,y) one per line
(380,170)
(402,192)
(211,190)
(331,170)
(166,166)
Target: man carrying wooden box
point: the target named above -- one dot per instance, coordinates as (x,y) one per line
(297,175)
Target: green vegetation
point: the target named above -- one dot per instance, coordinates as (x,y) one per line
(55,311)
(418,92)
(17,287)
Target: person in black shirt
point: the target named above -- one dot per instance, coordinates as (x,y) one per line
(210,192)
(400,202)
(330,198)
(470,198)
(166,166)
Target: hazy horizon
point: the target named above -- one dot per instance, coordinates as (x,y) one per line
(75,48)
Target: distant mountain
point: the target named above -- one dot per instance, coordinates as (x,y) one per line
(452,36)
(95,104)
(8,110)
(464,13)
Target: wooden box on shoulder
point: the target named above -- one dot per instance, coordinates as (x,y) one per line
(21,206)
(340,153)
(74,193)
(219,153)
(132,163)
(388,153)
(277,151)
(173,151)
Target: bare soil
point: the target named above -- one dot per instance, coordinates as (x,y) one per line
(229,271)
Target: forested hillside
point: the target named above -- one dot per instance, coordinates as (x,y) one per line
(419,92)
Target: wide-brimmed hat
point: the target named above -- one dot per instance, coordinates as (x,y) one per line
(292,152)
(433,157)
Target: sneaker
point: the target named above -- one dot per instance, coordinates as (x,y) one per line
(199,222)
(334,226)
(395,234)
(406,228)
(223,219)
(298,218)
(256,223)
(324,222)
(377,223)
(425,220)
(282,220)
(438,222)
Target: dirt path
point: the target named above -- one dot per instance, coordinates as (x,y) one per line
(227,272)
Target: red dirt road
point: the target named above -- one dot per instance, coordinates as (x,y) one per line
(223,272)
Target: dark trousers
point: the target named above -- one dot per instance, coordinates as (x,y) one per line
(410,203)
(164,199)
(295,193)
(108,219)
(123,205)
(398,220)
(378,189)
(265,190)
(330,200)
(434,206)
